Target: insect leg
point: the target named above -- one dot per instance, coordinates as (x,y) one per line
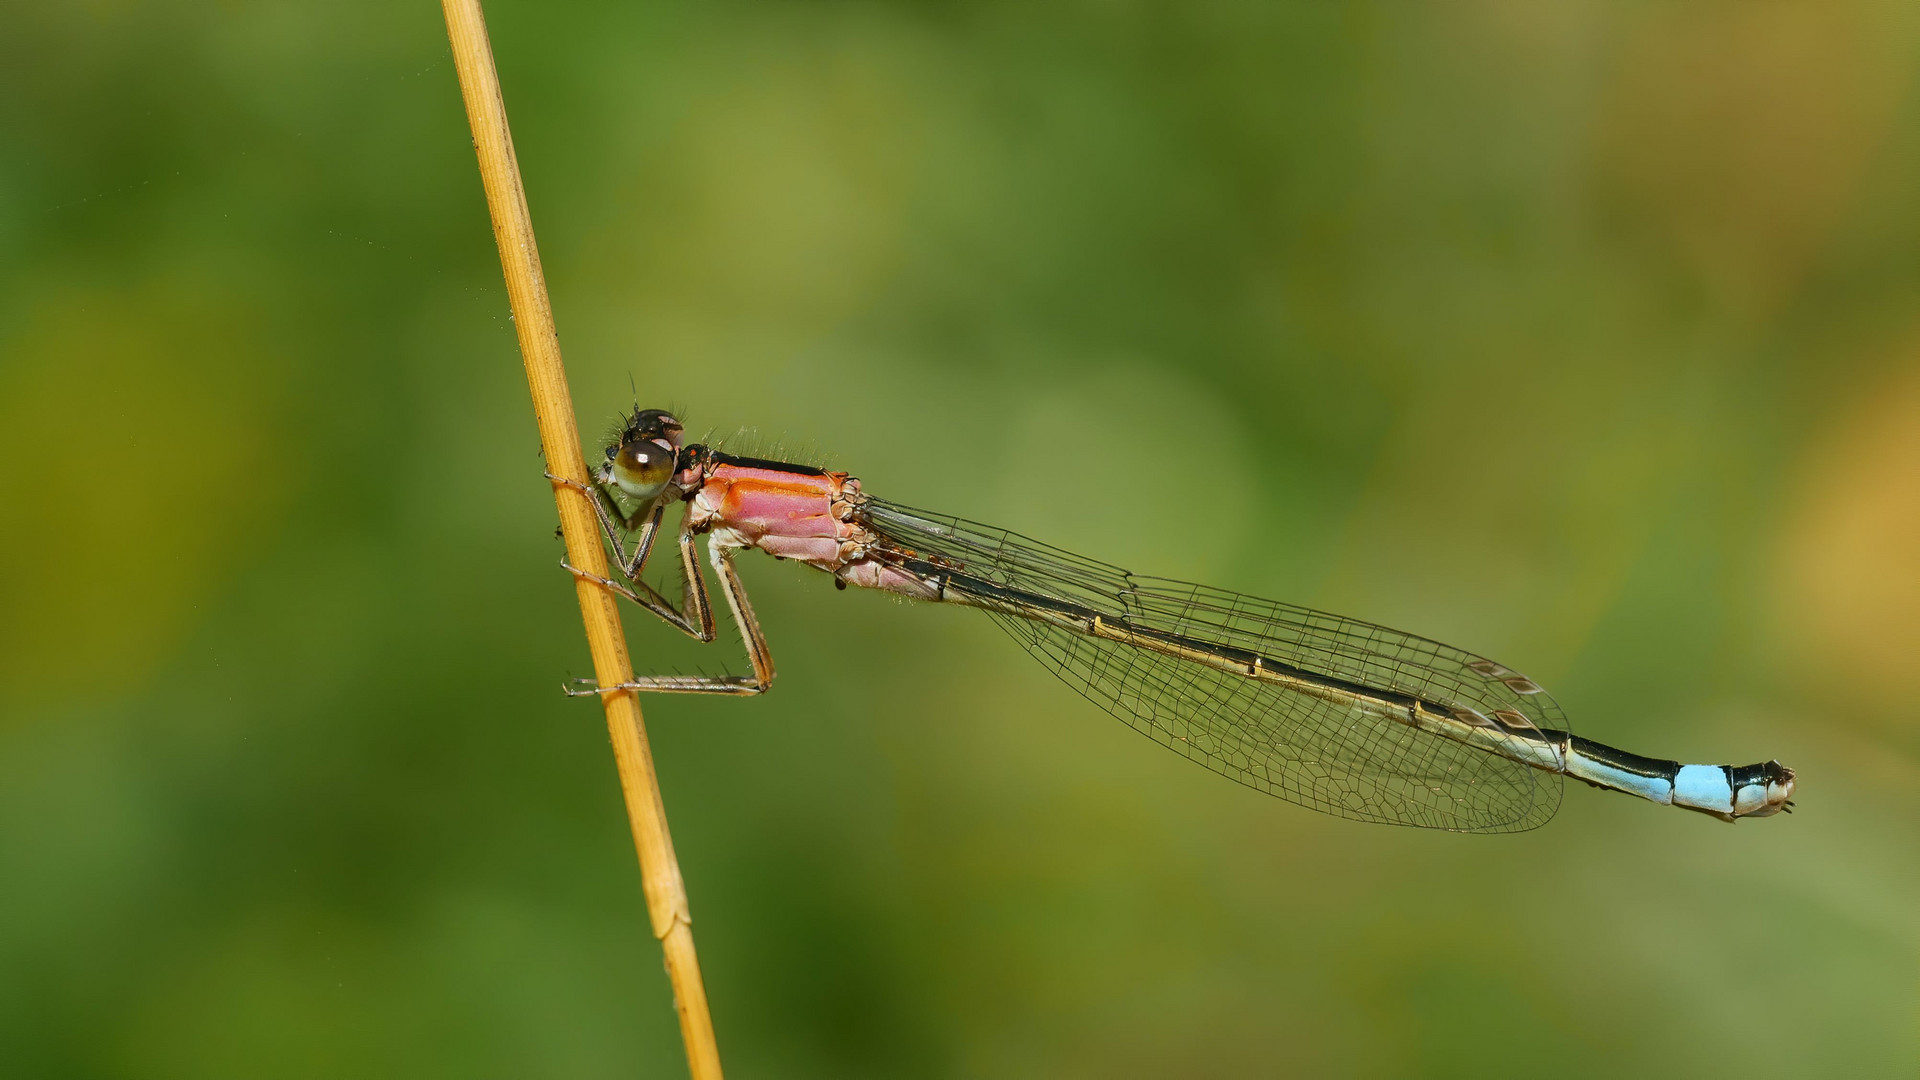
(730,586)
(694,616)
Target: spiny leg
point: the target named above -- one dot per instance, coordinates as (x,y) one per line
(694,617)
(613,522)
(697,618)
(743,616)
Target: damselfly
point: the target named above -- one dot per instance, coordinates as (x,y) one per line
(1335,714)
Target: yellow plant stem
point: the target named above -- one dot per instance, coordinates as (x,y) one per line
(553,407)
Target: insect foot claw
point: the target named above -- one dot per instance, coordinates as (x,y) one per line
(570,688)
(564,481)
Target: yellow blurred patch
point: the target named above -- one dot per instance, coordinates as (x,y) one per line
(1849,568)
(132,419)
(1743,130)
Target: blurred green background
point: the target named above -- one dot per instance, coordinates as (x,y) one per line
(1582,334)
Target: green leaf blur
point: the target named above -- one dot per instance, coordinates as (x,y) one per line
(1582,335)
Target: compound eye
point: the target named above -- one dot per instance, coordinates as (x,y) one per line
(642,468)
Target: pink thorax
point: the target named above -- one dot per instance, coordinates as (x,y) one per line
(801,516)
(787,515)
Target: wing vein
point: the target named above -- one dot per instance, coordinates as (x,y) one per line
(1324,747)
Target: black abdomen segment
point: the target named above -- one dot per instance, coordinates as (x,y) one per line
(1724,791)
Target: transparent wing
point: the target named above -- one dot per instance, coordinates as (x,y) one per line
(1310,750)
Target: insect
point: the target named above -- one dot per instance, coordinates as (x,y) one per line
(1335,714)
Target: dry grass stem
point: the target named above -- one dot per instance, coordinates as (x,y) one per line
(553,406)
